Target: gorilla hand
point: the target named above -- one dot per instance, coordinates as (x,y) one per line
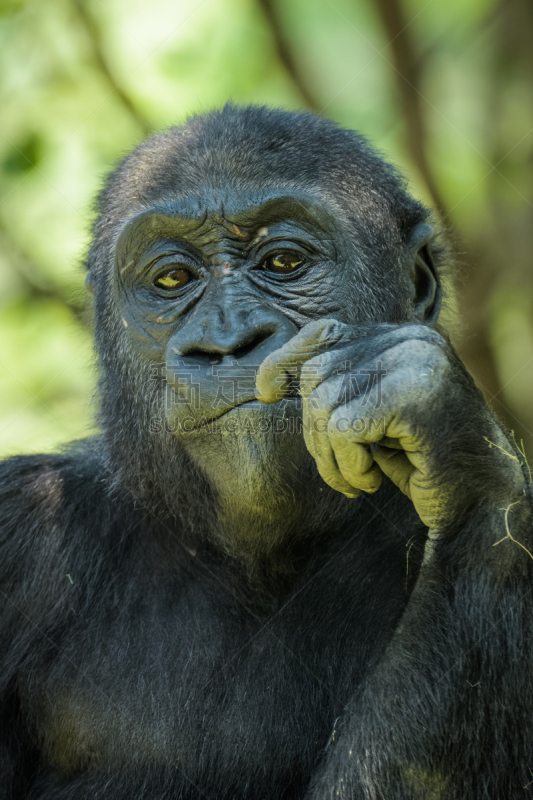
(394,400)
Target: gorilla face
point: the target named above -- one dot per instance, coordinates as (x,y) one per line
(209,287)
(207,257)
(210,290)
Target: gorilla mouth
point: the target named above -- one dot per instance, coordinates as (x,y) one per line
(269,415)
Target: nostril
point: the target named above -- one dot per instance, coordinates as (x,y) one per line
(257,338)
(204,357)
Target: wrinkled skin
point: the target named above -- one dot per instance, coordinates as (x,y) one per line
(297,563)
(390,429)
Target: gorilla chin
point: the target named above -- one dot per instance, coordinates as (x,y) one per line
(276,480)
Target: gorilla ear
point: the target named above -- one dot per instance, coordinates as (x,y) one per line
(427,289)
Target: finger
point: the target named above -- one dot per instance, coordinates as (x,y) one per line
(316,413)
(329,471)
(356,464)
(318,445)
(413,482)
(395,465)
(350,434)
(308,426)
(354,460)
(317,407)
(400,435)
(272,377)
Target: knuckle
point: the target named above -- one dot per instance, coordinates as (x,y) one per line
(339,425)
(312,367)
(416,336)
(345,419)
(425,361)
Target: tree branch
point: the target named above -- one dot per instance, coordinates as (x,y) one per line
(98,53)
(407,75)
(284,50)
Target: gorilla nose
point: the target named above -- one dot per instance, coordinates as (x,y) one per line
(239,333)
(212,361)
(236,342)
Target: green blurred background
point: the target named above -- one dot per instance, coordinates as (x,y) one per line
(443,89)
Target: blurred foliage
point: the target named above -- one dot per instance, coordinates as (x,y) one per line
(442,89)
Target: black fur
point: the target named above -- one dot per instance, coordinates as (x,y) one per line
(152,649)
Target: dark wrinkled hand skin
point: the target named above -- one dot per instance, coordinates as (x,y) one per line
(298,560)
(371,396)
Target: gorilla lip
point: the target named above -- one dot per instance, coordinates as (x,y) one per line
(251,404)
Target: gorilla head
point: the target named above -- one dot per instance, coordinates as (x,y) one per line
(215,244)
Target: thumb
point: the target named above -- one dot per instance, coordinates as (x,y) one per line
(272,377)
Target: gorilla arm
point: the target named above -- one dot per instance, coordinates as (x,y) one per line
(444,714)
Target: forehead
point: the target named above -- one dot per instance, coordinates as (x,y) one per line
(239,212)
(228,173)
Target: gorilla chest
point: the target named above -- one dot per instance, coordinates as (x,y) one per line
(189,693)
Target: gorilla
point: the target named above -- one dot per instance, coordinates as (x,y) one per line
(297,560)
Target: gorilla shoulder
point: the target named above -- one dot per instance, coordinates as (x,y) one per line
(46,502)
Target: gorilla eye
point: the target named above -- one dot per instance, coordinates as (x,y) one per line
(173,279)
(282,263)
